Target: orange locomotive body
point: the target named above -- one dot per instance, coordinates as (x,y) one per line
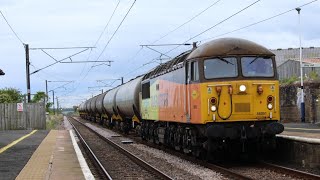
(223,92)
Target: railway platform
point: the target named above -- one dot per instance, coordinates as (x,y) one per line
(55,158)
(303,132)
(299,145)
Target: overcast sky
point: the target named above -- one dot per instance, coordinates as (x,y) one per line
(79,23)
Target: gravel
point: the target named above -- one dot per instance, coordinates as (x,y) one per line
(261,173)
(193,169)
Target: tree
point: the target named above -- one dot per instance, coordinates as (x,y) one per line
(39,97)
(10,95)
(48,105)
(5,98)
(75,108)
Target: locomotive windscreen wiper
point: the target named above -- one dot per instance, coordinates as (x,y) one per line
(264,57)
(254,60)
(224,60)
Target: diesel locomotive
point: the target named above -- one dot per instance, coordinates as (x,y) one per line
(221,95)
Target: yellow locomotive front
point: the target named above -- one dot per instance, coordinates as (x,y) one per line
(250,97)
(234,90)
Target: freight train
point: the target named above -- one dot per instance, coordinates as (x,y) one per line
(220,96)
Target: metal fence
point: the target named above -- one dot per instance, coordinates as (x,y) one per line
(14,116)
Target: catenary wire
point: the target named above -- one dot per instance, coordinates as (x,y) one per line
(224,20)
(186,22)
(111,37)
(116,29)
(104,29)
(258,22)
(12,28)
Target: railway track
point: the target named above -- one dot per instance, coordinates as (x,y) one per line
(226,173)
(114,161)
(260,170)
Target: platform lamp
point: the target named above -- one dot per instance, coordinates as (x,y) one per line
(54,110)
(2,73)
(301,73)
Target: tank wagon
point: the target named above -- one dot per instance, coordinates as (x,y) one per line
(81,110)
(222,94)
(100,111)
(109,105)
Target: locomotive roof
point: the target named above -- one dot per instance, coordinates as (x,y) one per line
(218,47)
(167,66)
(229,47)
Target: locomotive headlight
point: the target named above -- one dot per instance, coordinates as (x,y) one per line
(213,108)
(270,106)
(242,88)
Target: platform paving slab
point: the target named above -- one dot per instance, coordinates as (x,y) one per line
(55,158)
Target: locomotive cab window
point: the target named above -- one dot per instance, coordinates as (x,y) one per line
(220,67)
(257,67)
(146,90)
(194,71)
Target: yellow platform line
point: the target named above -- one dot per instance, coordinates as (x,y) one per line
(16,141)
(302,129)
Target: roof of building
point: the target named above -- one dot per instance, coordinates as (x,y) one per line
(308,60)
(282,55)
(304,61)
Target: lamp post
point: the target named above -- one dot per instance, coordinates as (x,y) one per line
(47,90)
(301,72)
(54,111)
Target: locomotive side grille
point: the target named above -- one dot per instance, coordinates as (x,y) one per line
(242,107)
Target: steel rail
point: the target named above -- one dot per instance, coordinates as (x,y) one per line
(134,158)
(105,173)
(290,171)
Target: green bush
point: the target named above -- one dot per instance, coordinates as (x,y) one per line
(313,75)
(290,80)
(54,121)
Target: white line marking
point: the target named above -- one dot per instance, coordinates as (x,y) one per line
(301,139)
(302,129)
(83,164)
